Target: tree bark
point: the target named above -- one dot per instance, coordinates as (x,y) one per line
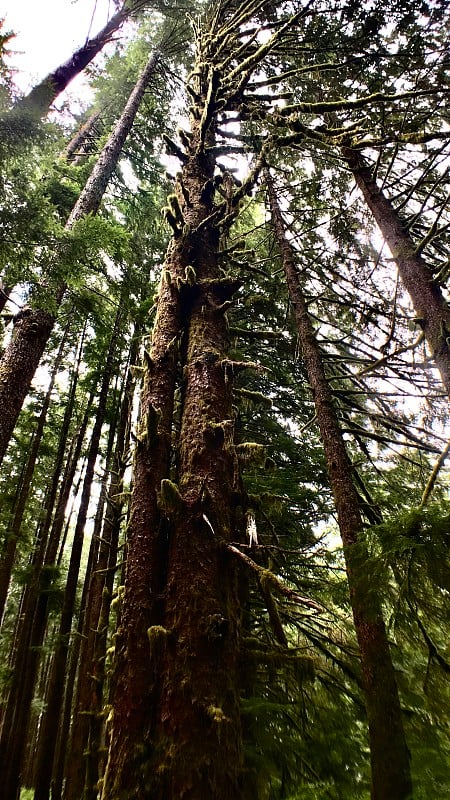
(32,328)
(50,721)
(80,142)
(391,779)
(433,312)
(175,725)
(82,770)
(34,615)
(7,561)
(176,728)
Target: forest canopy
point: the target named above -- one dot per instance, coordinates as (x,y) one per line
(224,386)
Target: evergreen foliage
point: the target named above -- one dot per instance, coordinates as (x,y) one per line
(170,514)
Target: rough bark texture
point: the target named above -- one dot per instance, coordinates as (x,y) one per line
(176,729)
(389,753)
(18,364)
(7,561)
(32,328)
(433,312)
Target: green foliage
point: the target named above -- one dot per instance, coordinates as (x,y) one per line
(304,729)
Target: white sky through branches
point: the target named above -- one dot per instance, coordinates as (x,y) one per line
(48,32)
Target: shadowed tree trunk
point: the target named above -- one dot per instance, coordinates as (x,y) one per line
(432,310)
(8,558)
(389,753)
(33,625)
(176,728)
(83,760)
(50,721)
(33,327)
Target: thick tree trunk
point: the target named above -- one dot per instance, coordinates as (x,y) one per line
(18,364)
(175,725)
(32,328)
(176,728)
(391,778)
(432,311)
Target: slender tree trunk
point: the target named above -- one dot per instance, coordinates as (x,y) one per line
(41,97)
(7,562)
(79,144)
(432,310)
(51,717)
(391,778)
(83,764)
(32,328)
(33,617)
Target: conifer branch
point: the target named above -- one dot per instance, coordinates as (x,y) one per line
(275,583)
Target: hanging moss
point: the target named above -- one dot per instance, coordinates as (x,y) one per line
(251,453)
(254,398)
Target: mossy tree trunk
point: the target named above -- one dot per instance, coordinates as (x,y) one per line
(391,779)
(432,310)
(176,727)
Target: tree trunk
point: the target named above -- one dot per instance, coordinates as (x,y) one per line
(38,101)
(79,144)
(389,753)
(18,364)
(176,728)
(51,717)
(8,559)
(32,328)
(433,312)
(82,765)
(175,725)
(34,614)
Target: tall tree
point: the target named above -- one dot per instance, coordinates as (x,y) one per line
(430,305)
(32,327)
(237,669)
(388,749)
(38,101)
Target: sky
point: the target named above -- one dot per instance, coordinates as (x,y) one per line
(48,31)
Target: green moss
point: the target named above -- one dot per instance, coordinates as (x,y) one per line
(169,497)
(251,453)
(217,715)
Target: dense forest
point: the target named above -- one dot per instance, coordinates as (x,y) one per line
(224,382)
